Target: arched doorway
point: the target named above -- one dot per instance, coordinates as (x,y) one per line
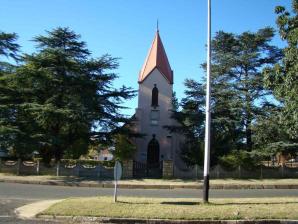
(153,152)
(153,167)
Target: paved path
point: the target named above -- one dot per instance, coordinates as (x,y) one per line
(16,195)
(7,216)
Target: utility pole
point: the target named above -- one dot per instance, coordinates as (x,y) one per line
(208,112)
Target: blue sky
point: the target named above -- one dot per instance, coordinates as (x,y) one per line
(125,28)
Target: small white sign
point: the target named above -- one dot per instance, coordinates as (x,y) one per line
(117,171)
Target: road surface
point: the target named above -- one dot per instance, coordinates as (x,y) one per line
(15,195)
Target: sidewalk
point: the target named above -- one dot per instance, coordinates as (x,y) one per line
(30,211)
(153,183)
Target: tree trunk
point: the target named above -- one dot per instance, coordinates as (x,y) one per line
(58,153)
(248,113)
(248,134)
(57,146)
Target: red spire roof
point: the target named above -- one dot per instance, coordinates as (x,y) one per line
(156,58)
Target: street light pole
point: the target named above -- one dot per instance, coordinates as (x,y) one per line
(208,112)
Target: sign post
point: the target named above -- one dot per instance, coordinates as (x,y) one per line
(117,176)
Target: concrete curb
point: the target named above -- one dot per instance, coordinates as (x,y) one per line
(157,186)
(83,219)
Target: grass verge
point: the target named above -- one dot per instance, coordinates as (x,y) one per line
(186,209)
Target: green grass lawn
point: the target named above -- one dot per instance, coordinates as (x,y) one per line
(187,209)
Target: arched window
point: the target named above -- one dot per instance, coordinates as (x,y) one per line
(154,102)
(153,151)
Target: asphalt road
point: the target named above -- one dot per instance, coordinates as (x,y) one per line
(40,192)
(16,195)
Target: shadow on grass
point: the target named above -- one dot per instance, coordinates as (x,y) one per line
(216,204)
(251,203)
(134,203)
(180,203)
(162,203)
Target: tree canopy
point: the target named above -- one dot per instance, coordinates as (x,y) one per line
(65,98)
(282,80)
(9,50)
(237,97)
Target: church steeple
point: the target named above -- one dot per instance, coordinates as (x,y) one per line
(156,58)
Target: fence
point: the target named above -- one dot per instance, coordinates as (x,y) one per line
(59,169)
(100,171)
(218,172)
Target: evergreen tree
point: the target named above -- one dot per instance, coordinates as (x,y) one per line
(8,46)
(282,79)
(271,136)
(9,50)
(237,63)
(68,95)
(124,148)
(191,120)
(236,97)
(190,123)
(175,102)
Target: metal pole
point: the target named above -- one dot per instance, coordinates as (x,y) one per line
(208,112)
(115,189)
(19,166)
(37,167)
(58,168)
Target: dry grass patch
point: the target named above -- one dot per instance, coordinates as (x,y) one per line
(187,209)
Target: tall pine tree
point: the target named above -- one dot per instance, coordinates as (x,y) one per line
(68,95)
(9,52)
(237,63)
(237,95)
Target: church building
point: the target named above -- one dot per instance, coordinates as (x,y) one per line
(154,109)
